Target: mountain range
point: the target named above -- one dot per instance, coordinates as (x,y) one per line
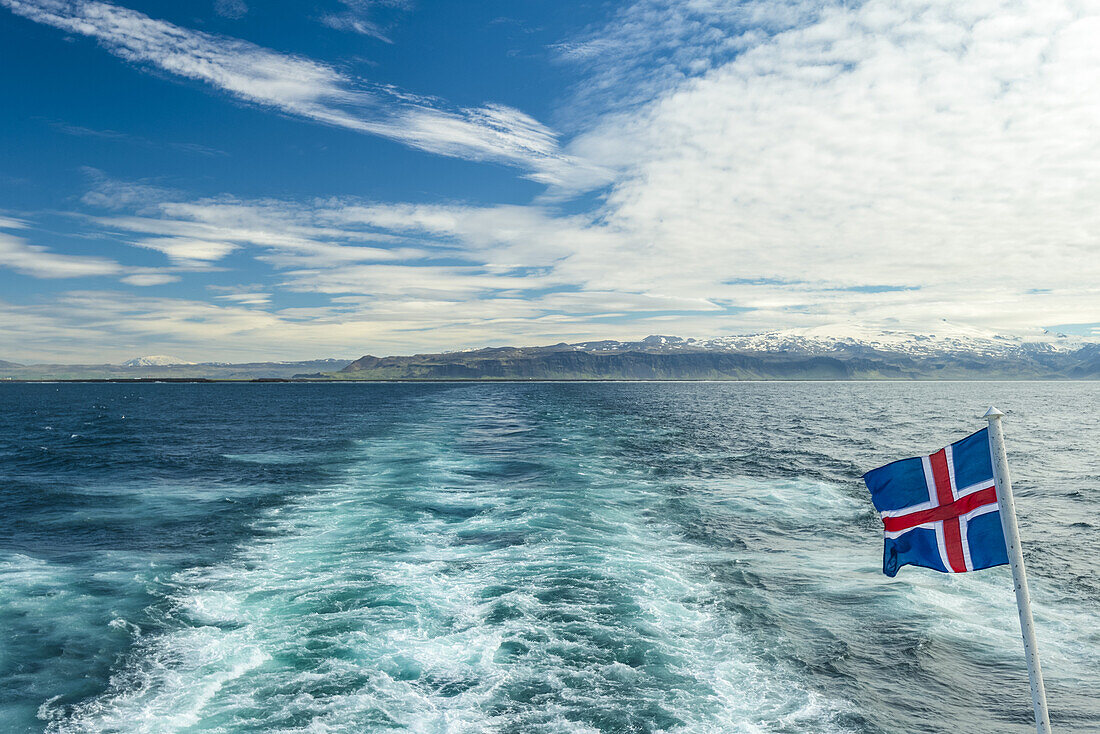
(819,353)
(825,353)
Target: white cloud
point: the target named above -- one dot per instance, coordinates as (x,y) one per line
(40,262)
(96,326)
(247,299)
(186,250)
(289,234)
(150,279)
(10,223)
(791,165)
(653,46)
(421,281)
(358,17)
(312,89)
(944,147)
(233,9)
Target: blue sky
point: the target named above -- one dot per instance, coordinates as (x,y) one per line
(238,180)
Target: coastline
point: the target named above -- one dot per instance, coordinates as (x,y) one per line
(508,380)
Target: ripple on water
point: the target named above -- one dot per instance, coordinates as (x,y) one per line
(451,615)
(517,558)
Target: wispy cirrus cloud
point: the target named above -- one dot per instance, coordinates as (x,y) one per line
(149,279)
(359,16)
(40,262)
(647,250)
(284,233)
(17,254)
(775,164)
(653,46)
(311,89)
(233,9)
(187,250)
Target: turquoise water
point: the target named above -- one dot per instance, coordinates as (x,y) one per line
(524,558)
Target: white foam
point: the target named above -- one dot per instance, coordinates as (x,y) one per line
(426,652)
(266,457)
(164,685)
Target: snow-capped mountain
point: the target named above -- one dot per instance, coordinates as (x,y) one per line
(829,353)
(950,339)
(837,352)
(849,340)
(154,360)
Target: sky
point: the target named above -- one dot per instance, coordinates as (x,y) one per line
(237,180)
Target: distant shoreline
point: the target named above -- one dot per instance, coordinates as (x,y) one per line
(768,357)
(499,380)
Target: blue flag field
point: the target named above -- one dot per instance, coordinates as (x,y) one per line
(940,511)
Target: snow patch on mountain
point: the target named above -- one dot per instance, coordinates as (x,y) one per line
(154,360)
(947,339)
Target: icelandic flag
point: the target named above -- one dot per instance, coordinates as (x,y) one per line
(940,511)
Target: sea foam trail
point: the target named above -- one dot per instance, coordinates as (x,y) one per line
(523,558)
(473,575)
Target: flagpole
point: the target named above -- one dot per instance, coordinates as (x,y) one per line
(1016,561)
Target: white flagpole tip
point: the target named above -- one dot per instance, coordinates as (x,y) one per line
(993,413)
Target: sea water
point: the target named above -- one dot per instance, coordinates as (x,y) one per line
(692,557)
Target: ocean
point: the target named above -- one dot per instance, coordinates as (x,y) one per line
(605,557)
